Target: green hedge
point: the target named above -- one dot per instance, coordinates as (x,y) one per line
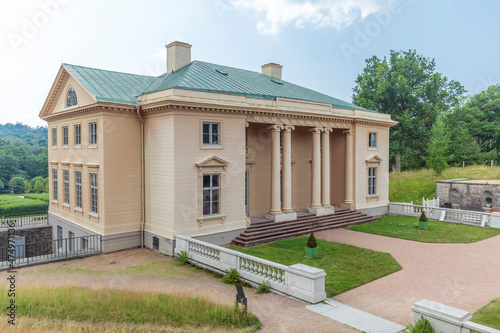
(38,196)
(10,205)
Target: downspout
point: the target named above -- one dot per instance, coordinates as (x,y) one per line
(143,180)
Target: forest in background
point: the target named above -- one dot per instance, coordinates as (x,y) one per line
(23,158)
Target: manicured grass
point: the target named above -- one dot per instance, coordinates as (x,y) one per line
(489,315)
(414,185)
(346,266)
(436,232)
(129,307)
(11,205)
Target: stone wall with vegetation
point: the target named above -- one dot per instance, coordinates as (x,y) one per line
(468,196)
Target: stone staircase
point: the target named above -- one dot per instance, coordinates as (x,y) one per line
(264,231)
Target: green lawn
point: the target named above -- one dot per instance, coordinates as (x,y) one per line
(128,307)
(437,232)
(414,185)
(346,266)
(489,315)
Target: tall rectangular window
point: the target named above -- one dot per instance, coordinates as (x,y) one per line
(71,241)
(54,137)
(211,134)
(78,188)
(372,181)
(78,135)
(93,193)
(372,140)
(66,186)
(54,184)
(65,135)
(85,243)
(59,237)
(211,194)
(93,134)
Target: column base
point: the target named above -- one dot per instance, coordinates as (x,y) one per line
(348,205)
(281,217)
(321,210)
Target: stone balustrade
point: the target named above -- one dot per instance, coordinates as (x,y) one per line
(298,281)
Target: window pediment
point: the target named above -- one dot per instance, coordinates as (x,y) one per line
(213,161)
(375,159)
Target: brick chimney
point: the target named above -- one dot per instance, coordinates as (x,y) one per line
(178,55)
(272,69)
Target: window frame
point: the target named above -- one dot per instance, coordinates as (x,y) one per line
(93,134)
(210,133)
(54,137)
(78,189)
(66,186)
(59,237)
(71,244)
(372,181)
(71,90)
(65,136)
(55,194)
(94,208)
(372,143)
(78,135)
(211,188)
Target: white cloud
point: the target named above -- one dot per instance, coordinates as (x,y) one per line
(317,13)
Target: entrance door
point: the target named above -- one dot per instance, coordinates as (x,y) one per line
(19,243)
(246,192)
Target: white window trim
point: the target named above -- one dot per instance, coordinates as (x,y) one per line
(221,128)
(96,187)
(54,137)
(78,186)
(93,145)
(65,144)
(77,145)
(376,140)
(66,194)
(373,162)
(212,165)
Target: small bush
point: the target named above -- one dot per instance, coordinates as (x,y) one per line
(421,326)
(183,257)
(488,199)
(311,242)
(232,276)
(423,218)
(264,287)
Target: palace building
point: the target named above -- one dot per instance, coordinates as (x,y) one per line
(202,148)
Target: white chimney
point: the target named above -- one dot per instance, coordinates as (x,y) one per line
(272,69)
(178,55)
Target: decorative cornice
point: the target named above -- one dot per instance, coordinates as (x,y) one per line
(88,109)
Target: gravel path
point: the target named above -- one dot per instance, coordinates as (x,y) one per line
(276,313)
(465,276)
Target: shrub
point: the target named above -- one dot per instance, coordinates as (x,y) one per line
(11,205)
(488,199)
(264,287)
(421,326)
(311,242)
(232,276)
(423,218)
(183,257)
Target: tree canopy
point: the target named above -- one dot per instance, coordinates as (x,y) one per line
(407,87)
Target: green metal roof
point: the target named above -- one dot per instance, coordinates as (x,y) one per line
(109,86)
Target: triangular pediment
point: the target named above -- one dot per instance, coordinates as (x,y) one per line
(56,100)
(375,159)
(213,161)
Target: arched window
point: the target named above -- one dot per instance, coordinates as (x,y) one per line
(71,98)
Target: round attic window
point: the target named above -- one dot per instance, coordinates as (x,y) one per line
(71,98)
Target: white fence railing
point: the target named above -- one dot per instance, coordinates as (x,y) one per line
(430,202)
(299,281)
(442,214)
(446,319)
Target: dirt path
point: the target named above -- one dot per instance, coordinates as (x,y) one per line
(465,276)
(277,313)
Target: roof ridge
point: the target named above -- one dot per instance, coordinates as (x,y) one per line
(106,70)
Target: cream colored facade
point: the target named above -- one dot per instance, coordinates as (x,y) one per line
(150,160)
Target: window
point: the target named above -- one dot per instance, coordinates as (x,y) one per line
(211,134)
(71,243)
(85,243)
(372,181)
(156,244)
(93,134)
(54,184)
(66,186)
(93,193)
(54,137)
(78,135)
(78,189)
(211,194)
(372,140)
(71,99)
(59,237)
(65,136)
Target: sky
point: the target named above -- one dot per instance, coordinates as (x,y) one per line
(322,44)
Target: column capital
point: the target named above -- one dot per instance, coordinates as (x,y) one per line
(288,128)
(316,130)
(275,127)
(327,130)
(349,132)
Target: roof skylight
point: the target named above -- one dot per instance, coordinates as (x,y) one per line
(221,72)
(277,81)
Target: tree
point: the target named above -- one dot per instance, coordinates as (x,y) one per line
(438,149)
(27,186)
(407,87)
(38,187)
(1,185)
(16,184)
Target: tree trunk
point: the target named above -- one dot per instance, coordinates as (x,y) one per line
(396,167)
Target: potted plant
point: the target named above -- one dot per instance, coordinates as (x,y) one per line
(488,202)
(423,221)
(312,246)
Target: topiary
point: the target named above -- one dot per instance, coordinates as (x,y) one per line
(311,242)
(423,218)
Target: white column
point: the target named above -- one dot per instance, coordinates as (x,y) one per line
(286,174)
(325,167)
(316,170)
(349,171)
(275,169)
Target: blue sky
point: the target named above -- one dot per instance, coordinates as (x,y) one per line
(321,44)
